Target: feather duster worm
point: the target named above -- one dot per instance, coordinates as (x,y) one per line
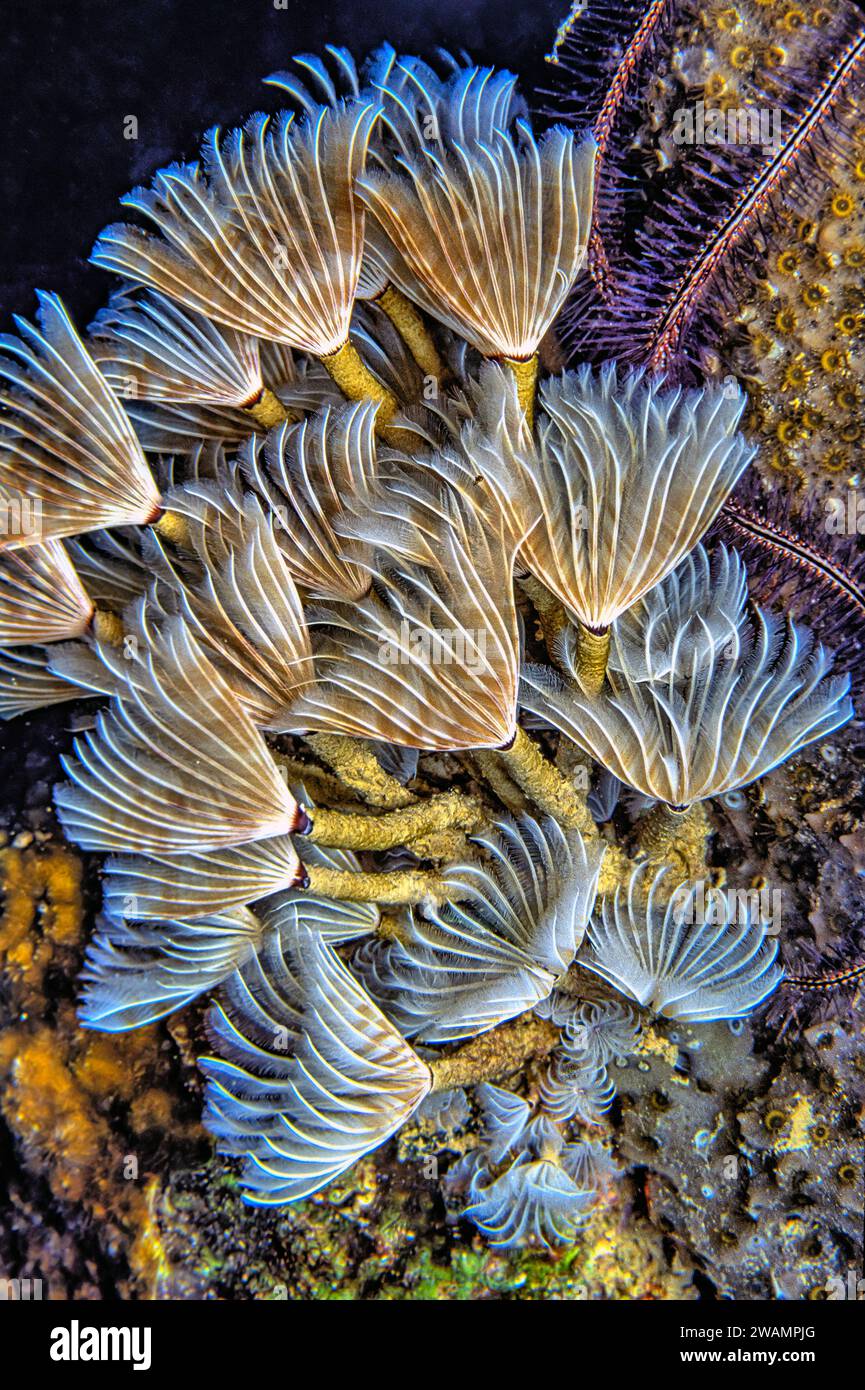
(429,658)
(528,1187)
(181,885)
(65,443)
(695,613)
(309,474)
(574,1087)
(180,428)
(597,1032)
(148,348)
(805,560)
(619,482)
(670,956)
(501,949)
(313,1075)
(735,716)
(42,598)
(347,82)
(136,973)
(43,601)
(245,609)
(481,226)
(270,244)
(175,764)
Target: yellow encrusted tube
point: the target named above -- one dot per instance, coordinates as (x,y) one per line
(108,628)
(488,767)
(676,837)
(409,323)
(171,526)
(356,381)
(268,410)
(593,650)
(525,371)
(398,887)
(352,830)
(551,613)
(357,767)
(496,1054)
(545,785)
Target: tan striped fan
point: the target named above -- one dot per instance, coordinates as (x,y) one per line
(42,598)
(175,764)
(67,449)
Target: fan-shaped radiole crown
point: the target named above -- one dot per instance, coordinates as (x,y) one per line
(244,608)
(487,237)
(513,923)
(535,1202)
(596,1031)
(573,1086)
(536,886)
(185,886)
(429,658)
(620,481)
(134,975)
(736,715)
(480,225)
(42,598)
(174,764)
(136,972)
(149,348)
(528,1187)
(348,1085)
(69,459)
(310,473)
(681,952)
(271,243)
(27,684)
(695,613)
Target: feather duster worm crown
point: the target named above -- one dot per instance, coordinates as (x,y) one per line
(149,348)
(240,601)
(175,763)
(315,626)
(65,441)
(620,480)
(270,243)
(736,715)
(42,598)
(696,612)
(310,473)
(430,658)
(349,1084)
(501,949)
(663,956)
(481,226)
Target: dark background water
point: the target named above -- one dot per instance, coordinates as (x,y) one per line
(73,70)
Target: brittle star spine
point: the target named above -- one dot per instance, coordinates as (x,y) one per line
(682,304)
